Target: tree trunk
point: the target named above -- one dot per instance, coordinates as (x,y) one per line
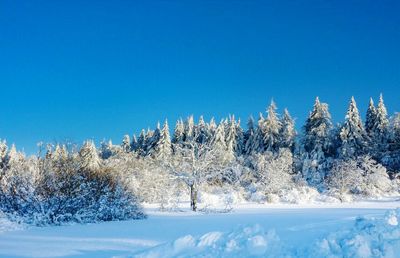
(193,197)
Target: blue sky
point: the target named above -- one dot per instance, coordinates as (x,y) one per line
(100,69)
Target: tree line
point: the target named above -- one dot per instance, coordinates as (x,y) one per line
(267,159)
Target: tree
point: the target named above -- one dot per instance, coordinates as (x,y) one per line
(126,144)
(194,166)
(380,131)
(392,158)
(249,137)
(345,177)
(88,157)
(201,132)
(271,129)
(162,148)
(179,132)
(353,138)
(189,130)
(274,171)
(316,145)
(287,132)
(370,119)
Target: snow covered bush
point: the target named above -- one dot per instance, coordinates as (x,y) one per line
(363,176)
(66,187)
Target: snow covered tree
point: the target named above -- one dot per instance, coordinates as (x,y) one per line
(162,148)
(258,142)
(392,158)
(274,171)
(231,133)
(196,165)
(201,132)
(271,128)
(88,157)
(345,177)
(3,153)
(370,118)
(316,145)
(376,180)
(219,147)
(249,137)
(287,132)
(179,132)
(353,138)
(134,143)
(189,130)
(379,132)
(126,144)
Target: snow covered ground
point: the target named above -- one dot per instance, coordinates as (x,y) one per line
(272,230)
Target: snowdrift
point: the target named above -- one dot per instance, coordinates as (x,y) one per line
(368,237)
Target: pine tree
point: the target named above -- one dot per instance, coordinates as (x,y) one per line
(258,142)
(3,153)
(316,145)
(141,144)
(179,132)
(272,127)
(249,137)
(231,136)
(201,132)
(162,148)
(380,131)
(88,157)
(353,138)
(126,144)
(134,143)
(239,139)
(287,132)
(189,130)
(370,118)
(218,143)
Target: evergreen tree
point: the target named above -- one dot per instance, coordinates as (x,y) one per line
(272,127)
(162,148)
(370,118)
(88,157)
(287,132)
(353,138)
(201,132)
(141,144)
(231,135)
(189,130)
(126,144)
(134,143)
(179,132)
(258,143)
(380,131)
(316,148)
(249,137)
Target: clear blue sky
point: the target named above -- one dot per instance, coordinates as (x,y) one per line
(100,69)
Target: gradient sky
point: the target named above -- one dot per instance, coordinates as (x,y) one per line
(100,69)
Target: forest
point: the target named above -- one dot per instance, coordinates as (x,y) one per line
(265,161)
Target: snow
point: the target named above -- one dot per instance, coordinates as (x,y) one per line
(250,229)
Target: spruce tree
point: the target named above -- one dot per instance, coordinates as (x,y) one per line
(126,144)
(287,132)
(179,132)
(249,137)
(88,157)
(272,127)
(162,148)
(316,145)
(353,138)
(380,131)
